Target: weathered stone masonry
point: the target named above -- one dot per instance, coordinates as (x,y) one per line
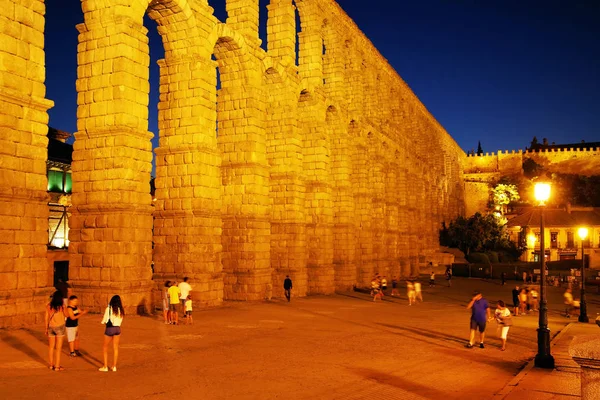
(327,171)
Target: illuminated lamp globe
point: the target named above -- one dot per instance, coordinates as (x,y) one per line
(542,192)
(583,233)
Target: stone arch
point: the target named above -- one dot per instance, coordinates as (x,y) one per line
(244,170)
(115,252)
(318,196)
(310,60)
(287,186)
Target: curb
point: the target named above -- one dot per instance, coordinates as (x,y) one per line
(514,382)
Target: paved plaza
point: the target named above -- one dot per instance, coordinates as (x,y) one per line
(331,347)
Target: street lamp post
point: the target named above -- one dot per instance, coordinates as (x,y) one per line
(543,358)
(583,317)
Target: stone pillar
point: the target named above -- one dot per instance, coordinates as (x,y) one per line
(111,223)
(245,175)
(187,227)
(413,222)
(281,31)
(377,183)
(242,17)
(25,277)
(310,63)
(403,217)
(585,350)
(287,190)
(363,200)
(343,204)
(391,214)
(353,80)
(318,200)
(333,66)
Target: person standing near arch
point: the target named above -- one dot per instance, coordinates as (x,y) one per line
(184,291)
(287,287)
(55,329)
(113,318)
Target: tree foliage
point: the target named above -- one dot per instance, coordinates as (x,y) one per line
(504,194)
(478,233)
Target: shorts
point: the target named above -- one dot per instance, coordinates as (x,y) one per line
(72,333)
(516,302)
(188,313)
(384,287)
(58,331)
(504,332)
(112,331)
(478,325)
(173,307)
(165,305)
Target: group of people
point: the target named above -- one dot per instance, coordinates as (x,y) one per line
(62,319)
(525,300)
(379,285)
(176,297)
(413,292)
(481,315)
(413,286)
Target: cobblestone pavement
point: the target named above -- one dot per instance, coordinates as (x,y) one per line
(336,347)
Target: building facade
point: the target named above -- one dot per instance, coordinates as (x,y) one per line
(322,164)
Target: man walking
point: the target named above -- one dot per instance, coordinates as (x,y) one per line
(287,286)
(480,314)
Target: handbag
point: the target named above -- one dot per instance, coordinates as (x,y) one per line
(507,321)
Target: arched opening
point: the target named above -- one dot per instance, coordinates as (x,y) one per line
(59,75)
(157,52)
(220,11)
(298,30)
(262,23)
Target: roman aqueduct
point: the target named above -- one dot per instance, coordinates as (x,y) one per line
(321,165)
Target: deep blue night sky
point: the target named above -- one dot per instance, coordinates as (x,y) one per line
(498,71)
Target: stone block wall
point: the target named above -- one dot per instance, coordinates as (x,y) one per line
(328,170)
(24,281)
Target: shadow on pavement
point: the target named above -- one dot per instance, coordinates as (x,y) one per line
(86,357)
(427,333)
(427,392)
(23,347)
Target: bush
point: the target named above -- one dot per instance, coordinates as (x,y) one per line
(493,257)
(478,258)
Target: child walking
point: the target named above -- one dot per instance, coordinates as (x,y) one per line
(72,323)
(188,310)
(504,320)
(113,318)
